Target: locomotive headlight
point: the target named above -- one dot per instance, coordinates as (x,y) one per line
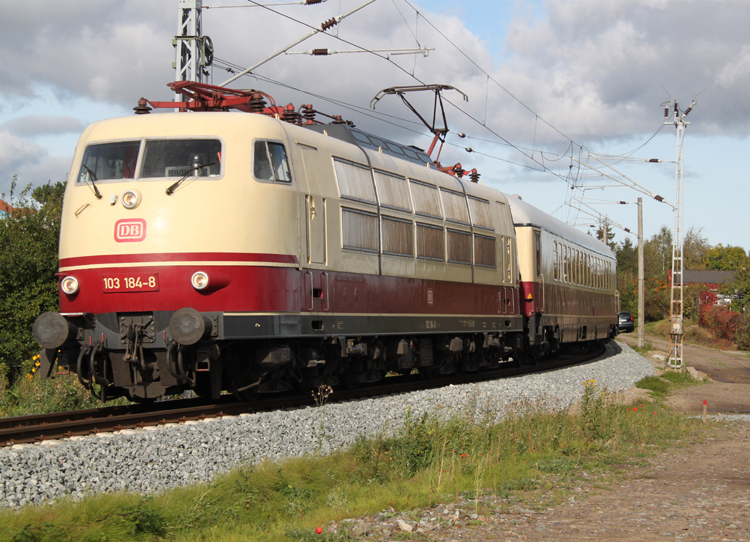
(131,199)
(69,285)
(199,280)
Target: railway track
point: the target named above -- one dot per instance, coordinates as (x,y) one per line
(32,429)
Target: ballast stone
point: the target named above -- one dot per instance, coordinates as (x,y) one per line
(151,461)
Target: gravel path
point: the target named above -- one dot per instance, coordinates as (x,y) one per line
(155,459)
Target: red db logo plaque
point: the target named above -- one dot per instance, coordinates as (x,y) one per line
(131,230)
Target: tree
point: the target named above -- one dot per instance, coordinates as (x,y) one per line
(28,263)
(658,254)
(610,237)
(627,275)
(695,249)
(740,286)
(726,258)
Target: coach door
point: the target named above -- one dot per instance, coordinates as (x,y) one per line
(314,208)
(538,270)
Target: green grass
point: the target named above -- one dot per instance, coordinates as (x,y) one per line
(431,460)
(647,347)
(663,385)
(28,394)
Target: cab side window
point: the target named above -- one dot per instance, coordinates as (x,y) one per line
(271,162)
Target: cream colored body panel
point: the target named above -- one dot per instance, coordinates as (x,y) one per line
(233,213)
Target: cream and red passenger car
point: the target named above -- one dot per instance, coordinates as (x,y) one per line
(568,280)
(235,251)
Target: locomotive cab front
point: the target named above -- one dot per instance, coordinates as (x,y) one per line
(162,213)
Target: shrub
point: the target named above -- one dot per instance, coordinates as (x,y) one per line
(28,263)
(720,321)
(742,333)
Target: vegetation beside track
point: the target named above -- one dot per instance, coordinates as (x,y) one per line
(431,460)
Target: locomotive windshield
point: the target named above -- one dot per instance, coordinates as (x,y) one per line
(110,161)
(161,158)
(177,157)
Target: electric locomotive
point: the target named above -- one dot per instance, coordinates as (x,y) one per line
(226,251)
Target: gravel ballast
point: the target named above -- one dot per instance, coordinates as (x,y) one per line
(155,459)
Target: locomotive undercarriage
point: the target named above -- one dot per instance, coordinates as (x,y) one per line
(149,355)
(145,356)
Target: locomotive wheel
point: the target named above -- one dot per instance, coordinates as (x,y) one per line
(350,380)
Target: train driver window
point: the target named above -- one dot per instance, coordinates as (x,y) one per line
(181,157)
(270,162)
(109,161)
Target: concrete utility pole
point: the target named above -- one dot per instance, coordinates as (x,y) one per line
(676,305)
(641,280)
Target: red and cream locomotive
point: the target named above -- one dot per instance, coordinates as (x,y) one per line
(258,250)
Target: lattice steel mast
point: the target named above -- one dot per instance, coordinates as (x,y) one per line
(193,51)
(676,305)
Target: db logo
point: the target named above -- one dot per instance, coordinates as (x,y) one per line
(131,230)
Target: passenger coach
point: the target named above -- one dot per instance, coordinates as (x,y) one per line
(568,281)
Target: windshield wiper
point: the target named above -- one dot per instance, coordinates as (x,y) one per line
(198,167)
(93,178)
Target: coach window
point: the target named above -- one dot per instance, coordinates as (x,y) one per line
(426,199)
(555,271)
(359,230)
(355,181)
(398,236)
(392,191)
(538,245)
(480,213)
(430,242)
(182,157)
(459,246)
(484,251)
(455,207)
(270,162)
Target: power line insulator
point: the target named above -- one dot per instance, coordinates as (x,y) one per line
(290,115)
(469,149)
(308,113)
(142,108)
(329,23)
(312,2)
(658,198)
(320,52)
(256,103)
(654,160)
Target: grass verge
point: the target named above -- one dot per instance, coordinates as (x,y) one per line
(431,460)
(664,384)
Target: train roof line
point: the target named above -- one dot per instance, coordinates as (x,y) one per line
(204,97)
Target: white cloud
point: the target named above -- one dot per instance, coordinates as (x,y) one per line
(34,125)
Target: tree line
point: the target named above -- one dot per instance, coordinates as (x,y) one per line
(698,254)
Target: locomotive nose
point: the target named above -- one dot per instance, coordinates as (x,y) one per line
(51,330)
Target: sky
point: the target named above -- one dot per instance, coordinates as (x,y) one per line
(551,85)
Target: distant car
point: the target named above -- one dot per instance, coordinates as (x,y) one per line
(625,322)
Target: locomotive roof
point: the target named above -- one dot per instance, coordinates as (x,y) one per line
(525,214)
(373,142)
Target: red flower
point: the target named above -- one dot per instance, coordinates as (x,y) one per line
(319,530)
